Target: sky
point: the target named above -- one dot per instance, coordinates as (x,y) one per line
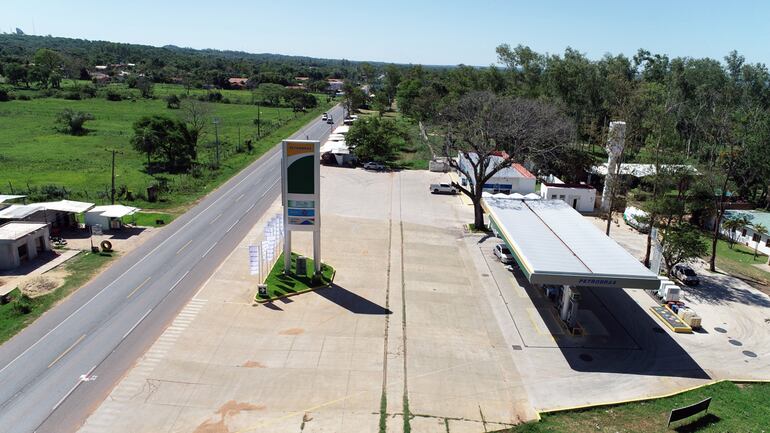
(429,32)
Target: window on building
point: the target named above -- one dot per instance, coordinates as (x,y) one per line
(561,197)
(743,232)
(756,237)
(553,196)
(767,242)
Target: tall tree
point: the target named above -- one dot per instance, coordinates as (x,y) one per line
(481,124)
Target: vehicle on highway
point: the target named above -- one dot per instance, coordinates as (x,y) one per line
(324,116)
(503,254)
(442,188)
(330,120)
(686,275)
(375,166)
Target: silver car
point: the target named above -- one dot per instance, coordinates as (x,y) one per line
(503,254)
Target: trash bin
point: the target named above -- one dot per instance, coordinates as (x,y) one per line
(301,265)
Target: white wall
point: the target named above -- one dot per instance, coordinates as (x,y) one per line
(748,240)
(93,218)
(586,197)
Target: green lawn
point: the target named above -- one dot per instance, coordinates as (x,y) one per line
(149,219)
(734,408)
(33,153)
(739,260)
(20,312)
(279,285)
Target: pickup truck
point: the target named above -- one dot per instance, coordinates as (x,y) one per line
(442,188)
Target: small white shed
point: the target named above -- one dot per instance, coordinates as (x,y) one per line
(579,196)
(22,241)
(109,216)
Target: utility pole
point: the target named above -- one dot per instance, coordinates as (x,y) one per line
(112,190)
(216,134)
(259,123)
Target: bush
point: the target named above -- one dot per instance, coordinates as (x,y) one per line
(23,305)
(173,102)
(113,96)
(72,96)
(214,97)
(88,90)
(23,98)
(5,96)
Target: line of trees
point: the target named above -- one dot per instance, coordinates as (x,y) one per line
(712,115)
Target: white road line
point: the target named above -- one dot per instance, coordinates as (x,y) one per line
(231,227)
(178,281)
(250,207)
(240,197)
(56,406)
(136,324)
(180,230)
(209,250)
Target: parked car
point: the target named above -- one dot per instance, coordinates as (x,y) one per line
(330,120)
(686,275)
(504,254)
(376,166)
(442,188)
(324,116)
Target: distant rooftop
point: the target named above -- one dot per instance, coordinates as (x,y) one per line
(16,230)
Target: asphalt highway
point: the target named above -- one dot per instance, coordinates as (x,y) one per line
(59,369)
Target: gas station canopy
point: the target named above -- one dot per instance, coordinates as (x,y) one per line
(554,244)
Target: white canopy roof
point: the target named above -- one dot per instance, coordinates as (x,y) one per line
(66,206)
(114,210)
(554,244)
(342,129)
(642,170)
(4,197)
(334,147)
(16,230)
(532,196)
(19,211)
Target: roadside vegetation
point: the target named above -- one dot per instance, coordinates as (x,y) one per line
(23,309)
(38,159)
(735,407)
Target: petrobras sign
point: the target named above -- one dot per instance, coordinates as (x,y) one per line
(300,182)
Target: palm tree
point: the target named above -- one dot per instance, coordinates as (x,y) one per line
(733,226)
(760,230)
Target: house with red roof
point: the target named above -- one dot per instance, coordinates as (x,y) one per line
(510,179)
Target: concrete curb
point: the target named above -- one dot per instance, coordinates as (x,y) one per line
(656,397)
(289,295)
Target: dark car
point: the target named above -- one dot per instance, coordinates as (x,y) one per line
(686,275)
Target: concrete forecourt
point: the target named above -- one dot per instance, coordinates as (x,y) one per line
(422,320)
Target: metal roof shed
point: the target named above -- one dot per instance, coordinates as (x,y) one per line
(554,244)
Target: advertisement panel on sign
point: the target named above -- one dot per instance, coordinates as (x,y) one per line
(300,163)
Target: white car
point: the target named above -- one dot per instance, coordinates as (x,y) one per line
(376,166)
(504,254)
(442,188)
(324,116)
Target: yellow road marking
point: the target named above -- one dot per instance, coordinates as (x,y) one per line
(138,287)
(184,246)
(67,351)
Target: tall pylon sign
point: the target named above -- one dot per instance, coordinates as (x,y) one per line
(301,193)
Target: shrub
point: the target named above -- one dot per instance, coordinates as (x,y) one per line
(23,98)
(23,305)
(5,96)
(113,96)
(72,121)
(88,90)
(72,95)
(173,102)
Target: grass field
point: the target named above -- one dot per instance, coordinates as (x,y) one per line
(734,408)
(33,153)
(739,260)
(80,269)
